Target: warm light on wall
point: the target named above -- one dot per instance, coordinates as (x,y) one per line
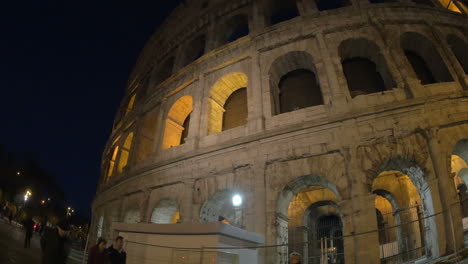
(219,94)
(175,121)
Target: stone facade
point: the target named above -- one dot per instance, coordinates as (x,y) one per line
(341,146)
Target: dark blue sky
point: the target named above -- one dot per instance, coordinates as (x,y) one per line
(63,70)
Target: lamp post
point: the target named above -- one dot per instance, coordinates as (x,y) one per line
(26,197)
(237,203)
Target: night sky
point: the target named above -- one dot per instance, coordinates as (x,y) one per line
(64,66)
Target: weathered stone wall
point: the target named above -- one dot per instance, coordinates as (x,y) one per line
(342,145)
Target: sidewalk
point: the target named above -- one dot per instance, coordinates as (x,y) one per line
(11,246)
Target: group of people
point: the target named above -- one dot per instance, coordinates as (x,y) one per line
(56,245)
(114,254)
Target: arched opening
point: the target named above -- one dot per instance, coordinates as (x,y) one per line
(176,117)
(166,212)
(362,77)
(424,59)
(293,83)
(195,49)
(235,28)
(299,89)
(459,49)
(221,204)
(164,71)
(130,104)
(331,4)
(309,220)
(364,67)
(283,11)
(113,159)
(125,152)
(227,103)
(459,169)
(236,112)
(406,202)
(132,216)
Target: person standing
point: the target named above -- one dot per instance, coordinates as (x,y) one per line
(116,253)
(55,244)
(97,254)
(28,232)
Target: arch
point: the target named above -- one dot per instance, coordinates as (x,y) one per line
(130,104)
(175,120)
(163,71)
(166,211)
(220,204)
(219,95)
(132,216)
(364,67)
(459,168)
(194,50)
(282,11)
(323,5)
(459,49)
(235,28)
(424,59)
(112,160)
(310,190)
(125,152)
(293,81)
(422,203)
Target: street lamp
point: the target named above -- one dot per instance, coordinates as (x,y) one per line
(69,211)
(237,203)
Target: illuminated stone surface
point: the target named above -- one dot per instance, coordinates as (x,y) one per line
(357,156)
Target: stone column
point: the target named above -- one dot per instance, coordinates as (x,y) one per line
(144,204)
(187,212)
(255,120)
(337,93)
(361,239)
(448,194)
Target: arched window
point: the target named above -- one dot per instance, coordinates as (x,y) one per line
(362,76)
(165,212)
(110,171)
(227,104)
(236,27)
(420,67)
(130,104)
(424,59)
(460,50)
(235,114)
(186,126)
(282,11)
(163,71)
(176,117)
(293,82)
(132,216)
(364,67)
(299,89)
(331,4)
(194,50)
(125,152)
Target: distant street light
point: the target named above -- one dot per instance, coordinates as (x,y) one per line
(69,211)
(236,200)
(18,173)
(43,202)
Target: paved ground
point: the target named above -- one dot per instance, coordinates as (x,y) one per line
(11,246)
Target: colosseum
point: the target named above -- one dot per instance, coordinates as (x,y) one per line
(337,129)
